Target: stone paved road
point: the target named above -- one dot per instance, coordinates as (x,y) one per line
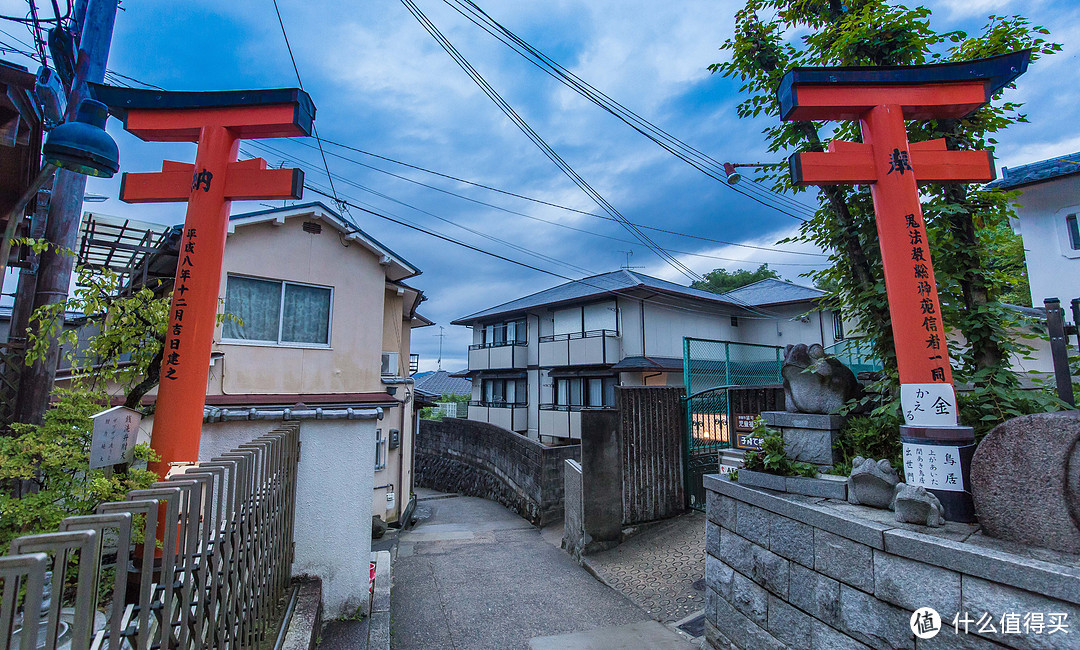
(661,568)
(474,575)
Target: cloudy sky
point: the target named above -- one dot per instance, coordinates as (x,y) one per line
(383,85)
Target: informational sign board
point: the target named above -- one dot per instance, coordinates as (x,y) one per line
(745,421)
(748,441)
(113,440)
(934,467)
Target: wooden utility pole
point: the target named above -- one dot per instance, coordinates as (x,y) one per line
(65,208)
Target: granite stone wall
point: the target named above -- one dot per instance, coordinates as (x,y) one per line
(480,459)
(791,571)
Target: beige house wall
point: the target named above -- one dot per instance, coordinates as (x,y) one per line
(286,252)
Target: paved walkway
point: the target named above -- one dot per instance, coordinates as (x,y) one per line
(472,574)
(661,568)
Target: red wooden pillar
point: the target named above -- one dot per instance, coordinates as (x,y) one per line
(217,122)
(881,99)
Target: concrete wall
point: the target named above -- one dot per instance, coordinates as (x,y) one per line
(786,571)
(479,459)
(333,502)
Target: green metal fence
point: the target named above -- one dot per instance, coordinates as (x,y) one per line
(710,370)
(855,354)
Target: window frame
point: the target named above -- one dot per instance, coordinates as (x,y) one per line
(380,450)
(281,315)
(1072,231)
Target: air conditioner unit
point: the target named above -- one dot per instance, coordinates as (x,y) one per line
(390,364)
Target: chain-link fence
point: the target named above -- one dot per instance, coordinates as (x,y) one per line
(711,370)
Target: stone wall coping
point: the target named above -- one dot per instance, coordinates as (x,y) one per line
(1047,578)
(802,508)
(996,560)
(802,420)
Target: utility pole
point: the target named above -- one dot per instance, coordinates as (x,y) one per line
(95,22)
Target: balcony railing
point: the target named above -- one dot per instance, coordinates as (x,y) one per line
(495,344)
(497,404)
(574,407)
(577,335)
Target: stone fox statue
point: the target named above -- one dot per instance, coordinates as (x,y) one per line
(815,382)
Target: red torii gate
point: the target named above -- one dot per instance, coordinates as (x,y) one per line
(881,98)
(217,121)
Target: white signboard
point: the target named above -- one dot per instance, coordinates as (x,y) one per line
(928,404)
(934,467)
(113,441)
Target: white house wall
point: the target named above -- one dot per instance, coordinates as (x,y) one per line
(1053,267)
(665,327)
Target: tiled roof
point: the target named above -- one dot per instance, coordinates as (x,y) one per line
(772,292)
(649,363)
(441,382)
(1037,172)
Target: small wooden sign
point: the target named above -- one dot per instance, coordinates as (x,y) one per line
(748,441)
(113,441)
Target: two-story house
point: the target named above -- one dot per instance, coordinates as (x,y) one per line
(319,314)
(538,361)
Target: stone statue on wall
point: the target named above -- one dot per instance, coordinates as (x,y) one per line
(815,382)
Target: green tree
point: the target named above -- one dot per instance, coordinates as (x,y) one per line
(722,280)
(773,36)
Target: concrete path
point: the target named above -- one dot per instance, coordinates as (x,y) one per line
(472,574)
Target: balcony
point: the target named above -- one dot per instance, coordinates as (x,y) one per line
(510,416)
(498,356)
(592,348)
(564,421)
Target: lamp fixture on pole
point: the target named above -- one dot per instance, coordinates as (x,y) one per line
(734,177)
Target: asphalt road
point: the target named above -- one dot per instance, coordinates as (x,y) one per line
(474,575)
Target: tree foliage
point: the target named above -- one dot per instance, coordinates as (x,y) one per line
(722,280)
(54,458)
(963,221)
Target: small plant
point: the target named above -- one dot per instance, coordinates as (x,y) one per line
(875,436)
(772,459)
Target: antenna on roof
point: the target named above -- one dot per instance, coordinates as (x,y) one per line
(627,266)
(441,335)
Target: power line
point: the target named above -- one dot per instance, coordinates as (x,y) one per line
(689,154)
(516,195)
(762,315)
(314,129)
(277,152)
(536,139)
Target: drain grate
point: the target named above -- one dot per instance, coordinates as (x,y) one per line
(694,627)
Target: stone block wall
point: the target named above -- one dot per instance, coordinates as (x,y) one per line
(480,459)
(790,571)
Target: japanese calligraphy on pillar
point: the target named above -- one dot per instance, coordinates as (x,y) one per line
(184,270)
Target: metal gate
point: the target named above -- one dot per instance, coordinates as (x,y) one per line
(712,370)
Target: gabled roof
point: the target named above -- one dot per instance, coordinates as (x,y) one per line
(613,283)
(624,280)
(398,267)
(772,292)
(1037,172)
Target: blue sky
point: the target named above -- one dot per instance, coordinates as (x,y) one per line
(382,84)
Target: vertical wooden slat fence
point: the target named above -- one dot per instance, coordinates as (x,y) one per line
(219,578)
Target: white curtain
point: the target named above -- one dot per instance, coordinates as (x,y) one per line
(256,303)
(307,315)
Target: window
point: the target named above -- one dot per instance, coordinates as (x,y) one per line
(734,321)
(1074,232)
(585,391)
(380,450)
(505,392)
(509,333)
(838,326)
(273,311)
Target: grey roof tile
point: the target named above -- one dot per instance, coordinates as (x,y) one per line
(1037,172)
(440,382)
(772,292)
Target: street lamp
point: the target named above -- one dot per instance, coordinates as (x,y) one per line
(733,176)
(82,145)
